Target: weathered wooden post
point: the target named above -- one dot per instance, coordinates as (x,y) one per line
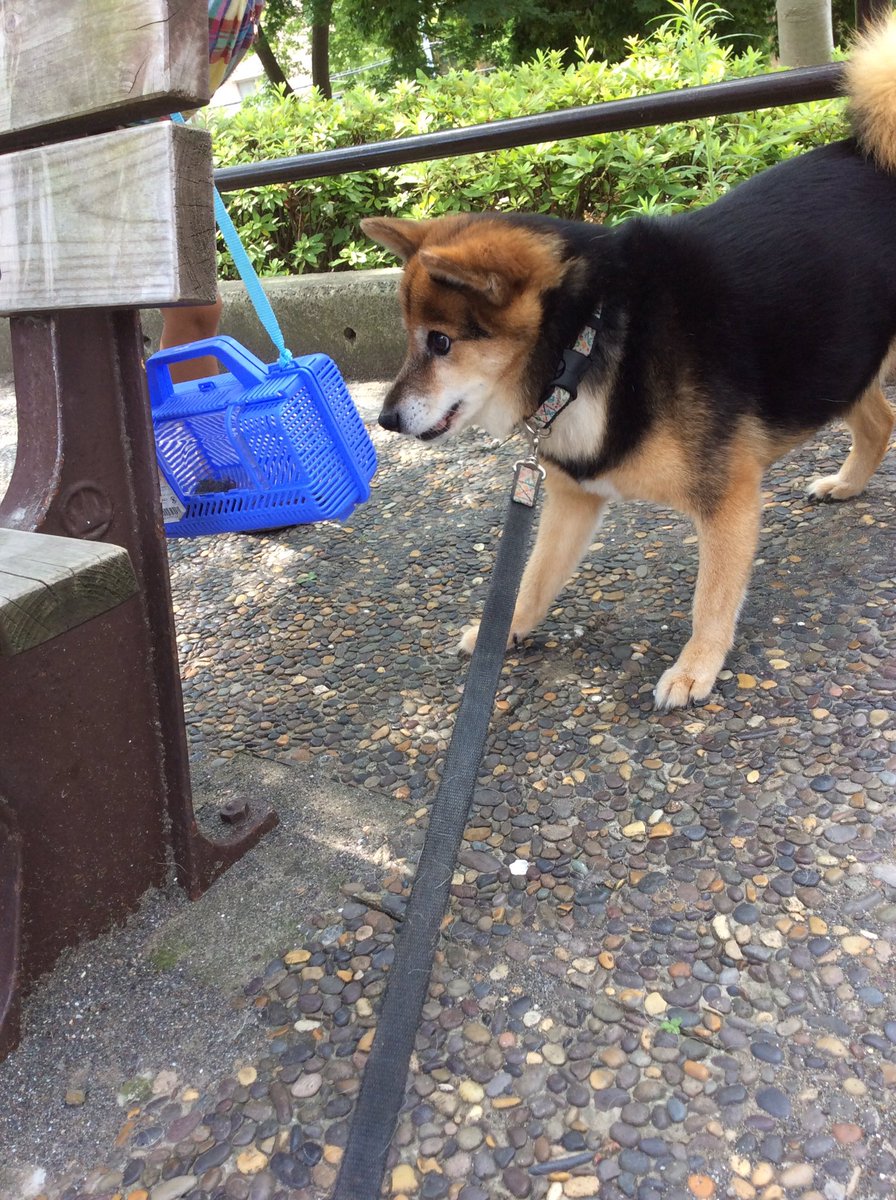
(96,221)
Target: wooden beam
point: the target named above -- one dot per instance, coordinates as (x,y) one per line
(123,219)
(82,66)
(51,584)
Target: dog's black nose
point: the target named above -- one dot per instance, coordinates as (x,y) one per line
(390,419)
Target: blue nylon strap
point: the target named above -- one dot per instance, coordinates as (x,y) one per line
(247,273)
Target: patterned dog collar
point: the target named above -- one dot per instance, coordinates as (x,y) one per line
(565,385)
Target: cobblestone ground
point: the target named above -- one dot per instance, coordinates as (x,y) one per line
(668,968)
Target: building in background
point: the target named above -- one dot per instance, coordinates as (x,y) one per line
(247,79)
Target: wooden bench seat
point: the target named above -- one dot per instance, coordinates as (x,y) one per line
(49,585)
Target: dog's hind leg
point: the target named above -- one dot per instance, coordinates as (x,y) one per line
(727,542)
(870,422)
(568,521)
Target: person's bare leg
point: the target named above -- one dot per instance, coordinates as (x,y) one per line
(192,324)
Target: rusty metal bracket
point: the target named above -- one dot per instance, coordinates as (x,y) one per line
(93,752)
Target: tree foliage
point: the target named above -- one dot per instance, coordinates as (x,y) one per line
(466,33)
(314,224)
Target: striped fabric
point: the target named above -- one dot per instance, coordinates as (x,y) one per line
(232,28)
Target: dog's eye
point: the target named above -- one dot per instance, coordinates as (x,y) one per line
(438,343)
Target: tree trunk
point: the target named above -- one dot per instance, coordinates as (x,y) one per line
(805,35)
(320,56)
(268,60)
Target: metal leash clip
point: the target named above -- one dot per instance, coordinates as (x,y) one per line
(529,473)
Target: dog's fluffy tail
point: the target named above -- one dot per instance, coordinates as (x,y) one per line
(870,82)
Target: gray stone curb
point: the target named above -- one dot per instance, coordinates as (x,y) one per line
(352,316)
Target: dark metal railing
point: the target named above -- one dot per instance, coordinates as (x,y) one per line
(659,108)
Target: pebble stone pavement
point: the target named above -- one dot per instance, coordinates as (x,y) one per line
(667,971)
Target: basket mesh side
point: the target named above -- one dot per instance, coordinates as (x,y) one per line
(353,430)
(278,461)
(330,482)
(283,439)
(197,450)
(180,454)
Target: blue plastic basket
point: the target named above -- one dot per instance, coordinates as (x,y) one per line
(260,446)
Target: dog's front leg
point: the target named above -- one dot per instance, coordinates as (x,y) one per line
(727,541)
(568,521)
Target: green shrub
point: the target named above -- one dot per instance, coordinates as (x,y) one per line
(313,225)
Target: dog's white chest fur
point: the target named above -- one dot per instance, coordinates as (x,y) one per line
(578,433)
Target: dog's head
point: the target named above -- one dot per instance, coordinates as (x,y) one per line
(471,297)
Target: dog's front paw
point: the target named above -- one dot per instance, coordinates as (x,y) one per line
(467,643)
(691,679)
(468,638)
(832,487)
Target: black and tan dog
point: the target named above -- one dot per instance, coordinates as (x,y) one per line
(726,336)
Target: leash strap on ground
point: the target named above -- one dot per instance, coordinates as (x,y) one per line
(385,1076)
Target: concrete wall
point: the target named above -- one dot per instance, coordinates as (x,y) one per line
(351,315)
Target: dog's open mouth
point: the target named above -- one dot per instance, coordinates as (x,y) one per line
(441,426)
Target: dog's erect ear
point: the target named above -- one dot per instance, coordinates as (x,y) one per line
(490,284)
(402,237)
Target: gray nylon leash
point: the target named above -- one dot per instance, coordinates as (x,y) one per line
(385,1076)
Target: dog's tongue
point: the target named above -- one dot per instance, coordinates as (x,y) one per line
(441,426)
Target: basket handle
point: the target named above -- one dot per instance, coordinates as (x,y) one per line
(242,364)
